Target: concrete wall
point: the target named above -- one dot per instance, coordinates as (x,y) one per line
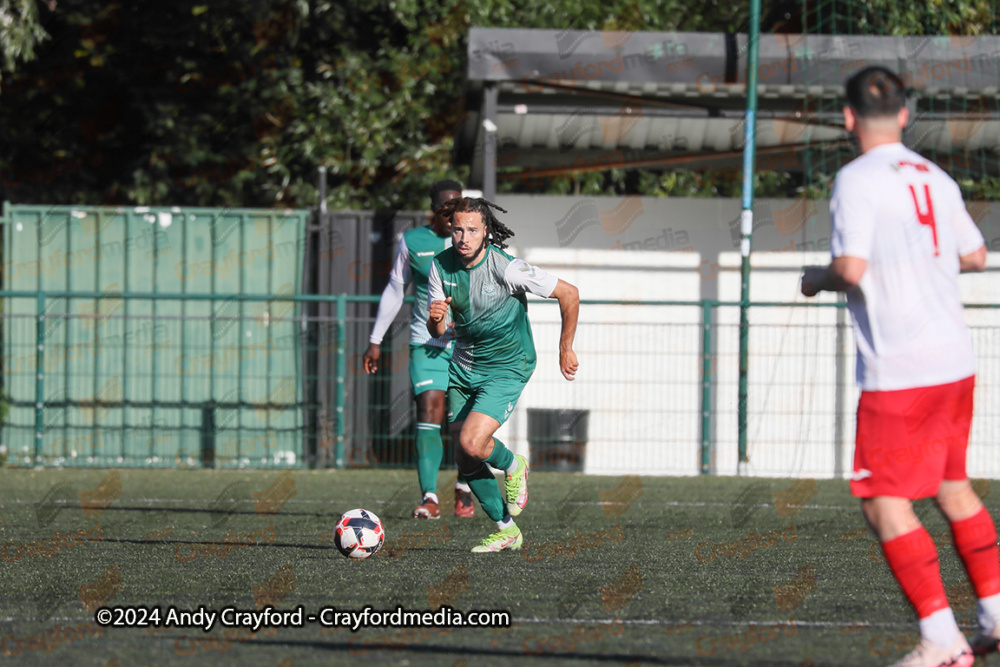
(640,366)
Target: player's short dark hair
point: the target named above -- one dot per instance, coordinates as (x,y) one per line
(875,92)
(496,232)
(443,186)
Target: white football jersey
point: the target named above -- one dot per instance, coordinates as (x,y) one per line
(904,215)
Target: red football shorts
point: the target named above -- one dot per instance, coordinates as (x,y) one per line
(909,440)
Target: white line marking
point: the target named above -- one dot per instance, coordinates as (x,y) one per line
(596,503)
(716,623)
(627,621)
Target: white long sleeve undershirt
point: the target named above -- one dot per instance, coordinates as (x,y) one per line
(393,294)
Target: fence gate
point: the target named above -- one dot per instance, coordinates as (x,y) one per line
(353,253)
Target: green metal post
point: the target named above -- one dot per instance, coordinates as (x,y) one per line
(341,375)
(706,387)
(40,378)
(746,227)
(182,325)
(210,417)
(153,450)
(125,430)
(241,342)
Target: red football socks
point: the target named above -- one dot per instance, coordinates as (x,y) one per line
(913,560)
(976,543)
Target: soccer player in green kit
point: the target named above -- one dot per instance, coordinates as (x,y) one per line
(494,354)
(429,357)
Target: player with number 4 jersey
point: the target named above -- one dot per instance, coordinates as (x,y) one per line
(900,237)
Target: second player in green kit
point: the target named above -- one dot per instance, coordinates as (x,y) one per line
(494,355)
(429,356)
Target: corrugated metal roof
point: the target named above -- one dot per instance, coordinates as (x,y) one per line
(570,100)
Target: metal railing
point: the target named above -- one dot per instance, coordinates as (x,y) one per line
(98,378)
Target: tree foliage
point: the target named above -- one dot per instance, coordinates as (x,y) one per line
(20,32)
(236,102)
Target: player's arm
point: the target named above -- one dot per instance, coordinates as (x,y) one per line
(388,305)
(569,308)
(522,277)
(971,245)
(437,302)
(842,275)
(974,261)
(852,221)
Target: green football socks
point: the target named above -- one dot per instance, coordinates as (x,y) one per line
(430,451)
(484,486)
(501,458)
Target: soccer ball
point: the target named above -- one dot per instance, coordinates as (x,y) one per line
(359,534)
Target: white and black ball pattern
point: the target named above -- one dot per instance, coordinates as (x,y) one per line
(359,534)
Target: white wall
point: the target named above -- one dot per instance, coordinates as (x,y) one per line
(640,366)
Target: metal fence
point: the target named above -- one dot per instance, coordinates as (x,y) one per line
(266,383)
(151,379)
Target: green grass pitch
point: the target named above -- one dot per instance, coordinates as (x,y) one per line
(615,570)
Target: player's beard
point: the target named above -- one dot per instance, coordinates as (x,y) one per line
(472,257)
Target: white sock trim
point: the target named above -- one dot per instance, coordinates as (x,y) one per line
(512,468)
(465,488)
(433,497)
(506,522)
(988,609)
(940,628)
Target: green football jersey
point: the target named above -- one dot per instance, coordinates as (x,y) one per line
(414,255)
(490,311)
(421,245)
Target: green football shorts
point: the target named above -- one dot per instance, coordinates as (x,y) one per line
(429,368)
(494,396)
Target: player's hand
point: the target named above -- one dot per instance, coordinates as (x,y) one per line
(568,364)
(370,360)
(811,277)
(439,310)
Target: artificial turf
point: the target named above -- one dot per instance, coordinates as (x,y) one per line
(670,571)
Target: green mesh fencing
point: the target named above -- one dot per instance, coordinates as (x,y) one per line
(133,380)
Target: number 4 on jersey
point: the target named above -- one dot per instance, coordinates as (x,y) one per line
(926,217)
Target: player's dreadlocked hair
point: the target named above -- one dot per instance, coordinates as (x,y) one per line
(496,231)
